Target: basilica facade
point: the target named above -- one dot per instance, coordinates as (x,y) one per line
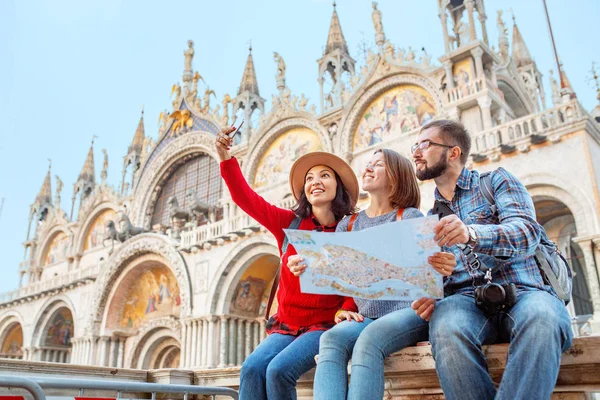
(166,272)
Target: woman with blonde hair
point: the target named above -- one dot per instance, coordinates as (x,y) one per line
(380,327)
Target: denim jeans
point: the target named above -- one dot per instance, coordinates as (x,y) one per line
(538,329)
(367,343)
(272,369)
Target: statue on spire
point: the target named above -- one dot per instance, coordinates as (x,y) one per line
(378,24)
(280,71)
(189,55)
(59,186)
(104,173)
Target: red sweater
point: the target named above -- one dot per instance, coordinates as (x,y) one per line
(295,307)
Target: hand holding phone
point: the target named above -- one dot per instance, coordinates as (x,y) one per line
(237,124)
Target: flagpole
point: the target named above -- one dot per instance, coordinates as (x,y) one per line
(560,75)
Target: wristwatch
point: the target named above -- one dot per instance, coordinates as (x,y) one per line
(472,237)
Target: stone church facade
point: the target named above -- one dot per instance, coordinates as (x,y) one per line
(166,272)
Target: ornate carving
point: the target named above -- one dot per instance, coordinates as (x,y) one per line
(116,263)
(171,323)
(189,56)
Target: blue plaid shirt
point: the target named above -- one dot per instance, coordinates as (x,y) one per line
(506,241)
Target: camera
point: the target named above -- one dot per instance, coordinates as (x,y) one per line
(492,298)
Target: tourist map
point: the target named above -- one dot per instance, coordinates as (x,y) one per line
(386,262)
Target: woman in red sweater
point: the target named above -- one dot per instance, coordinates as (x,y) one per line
(326,190)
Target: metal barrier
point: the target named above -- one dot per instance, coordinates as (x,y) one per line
(118,386)
(23,383)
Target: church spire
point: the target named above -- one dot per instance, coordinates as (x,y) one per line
(335,40)
(520,52)
(87,173)
(249,82)
(138,138)
(45,194)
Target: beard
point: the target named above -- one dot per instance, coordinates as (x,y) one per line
(435,170)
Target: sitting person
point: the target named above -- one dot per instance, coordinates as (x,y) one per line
(326,190)
(531,318)
(380,327)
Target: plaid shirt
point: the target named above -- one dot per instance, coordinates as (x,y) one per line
(506,241)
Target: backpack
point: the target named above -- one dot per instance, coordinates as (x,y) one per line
(294,225)
(552,264)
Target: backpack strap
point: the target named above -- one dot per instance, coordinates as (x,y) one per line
(294,225)
(399,214)
(487,190)
(351,222)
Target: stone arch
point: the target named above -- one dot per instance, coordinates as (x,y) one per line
(168,158)
(10,346)
(120,259)
(149,338)
(232,268)
(146,289)
(542,185)
(50,236)
(351,119)
(46,312)
(260,147)
(79,241)
(519,105)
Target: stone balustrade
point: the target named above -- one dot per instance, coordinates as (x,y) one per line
(520,133)
(38,287)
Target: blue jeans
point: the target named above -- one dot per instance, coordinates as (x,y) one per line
(537,327)
(367,343)
(272,369)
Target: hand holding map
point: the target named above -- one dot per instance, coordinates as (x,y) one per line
(386,262)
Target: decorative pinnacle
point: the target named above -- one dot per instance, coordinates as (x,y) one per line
(513,16)
(49,164)
(94,138)
(334,5)
(594,79)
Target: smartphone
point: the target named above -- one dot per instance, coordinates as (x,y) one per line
(237,124)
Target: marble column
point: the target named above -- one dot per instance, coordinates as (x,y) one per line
(210,360)
(444,20)
(184,344)
(485,104)
(188,345)
(591,272)
(248,338)
(232,341)
(194,346)
(256,335)
(205,348)
(103,350)
(112,352)
(239,341)
(263,332)
(199,340)
(223,342)
(121,352)
(472,33)
(478,56)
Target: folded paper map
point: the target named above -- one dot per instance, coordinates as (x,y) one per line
(386,262)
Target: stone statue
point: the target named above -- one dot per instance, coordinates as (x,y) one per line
(425,59)
(225,103)
(555,89)
(59,186)
(176,89)
(189,55)
(280,65)
(500,24)
(199,210)
(376,16)
(462,31)
(400,55)
(104,173)
(195,79)
(206,108)
(302,102)
(354,81)
(410,57)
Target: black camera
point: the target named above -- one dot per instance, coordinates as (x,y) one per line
(492,298)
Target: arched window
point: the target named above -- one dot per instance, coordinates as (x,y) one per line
(201,173)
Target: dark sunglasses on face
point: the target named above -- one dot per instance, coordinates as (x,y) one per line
(425,145)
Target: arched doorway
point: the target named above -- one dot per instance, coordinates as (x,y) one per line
(11,341)
(560,226)
(55,339)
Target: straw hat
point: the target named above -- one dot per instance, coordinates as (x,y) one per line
(341,167)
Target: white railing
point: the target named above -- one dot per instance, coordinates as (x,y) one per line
(464,90)
(513,132)
(220,229)
(52,283)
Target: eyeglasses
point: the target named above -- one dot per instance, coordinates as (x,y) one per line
(425,145)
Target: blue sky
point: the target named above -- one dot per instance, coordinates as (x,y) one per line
(70,70)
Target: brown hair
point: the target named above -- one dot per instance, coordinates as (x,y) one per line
(454,134)
(404,191)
